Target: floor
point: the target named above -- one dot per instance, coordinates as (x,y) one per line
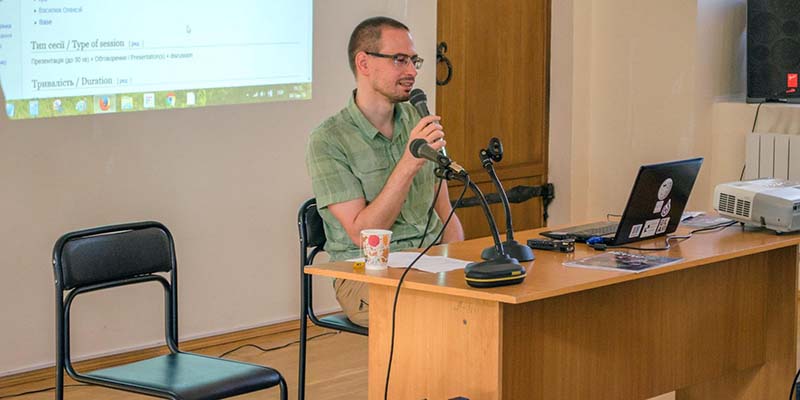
(337,369)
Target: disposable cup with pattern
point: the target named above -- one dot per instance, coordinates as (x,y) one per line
(375,246)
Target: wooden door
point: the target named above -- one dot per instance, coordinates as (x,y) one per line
(500,53)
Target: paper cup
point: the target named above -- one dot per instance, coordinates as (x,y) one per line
(375,247)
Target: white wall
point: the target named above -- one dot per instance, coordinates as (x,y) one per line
(732,121)
(226,180)
(635,82)
(644,81)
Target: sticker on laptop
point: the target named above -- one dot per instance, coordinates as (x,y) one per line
(667,208)
(662,226)
(659,204)
(650,227)
(636,230)
(665,188)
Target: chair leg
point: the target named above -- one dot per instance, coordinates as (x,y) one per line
(59,393)
(301,379)
(284,390)
(59,382)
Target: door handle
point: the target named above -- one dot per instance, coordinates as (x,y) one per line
(441,58)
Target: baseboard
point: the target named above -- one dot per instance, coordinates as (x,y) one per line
(48,373)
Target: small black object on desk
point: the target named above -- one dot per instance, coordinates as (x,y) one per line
(562,245)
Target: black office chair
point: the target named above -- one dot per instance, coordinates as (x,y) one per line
(112,256)
(312,241)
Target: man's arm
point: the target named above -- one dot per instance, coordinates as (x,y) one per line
(453,232)
(355,215)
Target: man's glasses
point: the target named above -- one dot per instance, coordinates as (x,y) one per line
(400,59)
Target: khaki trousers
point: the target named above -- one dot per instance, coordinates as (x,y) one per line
(353,296)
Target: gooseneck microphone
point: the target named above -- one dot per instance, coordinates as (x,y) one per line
(420,148)
(501,269)
(419,100)
(491,154)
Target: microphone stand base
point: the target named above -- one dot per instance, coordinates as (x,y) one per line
(499,271)
(513,248)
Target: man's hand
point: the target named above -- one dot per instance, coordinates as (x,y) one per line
(429,129)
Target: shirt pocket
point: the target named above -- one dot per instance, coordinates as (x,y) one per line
(373,172)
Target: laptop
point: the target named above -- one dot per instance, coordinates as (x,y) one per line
(654,207)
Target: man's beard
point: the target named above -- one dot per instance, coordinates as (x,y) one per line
(399,99)
(394,96)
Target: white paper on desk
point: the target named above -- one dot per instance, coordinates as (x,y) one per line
(691,214)
(433,264)
(426,263)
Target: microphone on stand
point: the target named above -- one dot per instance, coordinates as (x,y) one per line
(420,148)
(491,154)
(501,269)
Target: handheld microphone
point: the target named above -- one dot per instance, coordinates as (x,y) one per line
(419,100)
(420,148)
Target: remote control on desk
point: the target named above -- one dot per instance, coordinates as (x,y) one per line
(564,245)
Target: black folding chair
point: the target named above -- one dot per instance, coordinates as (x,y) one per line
(112,256)
(312,241)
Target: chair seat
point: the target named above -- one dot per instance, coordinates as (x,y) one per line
(191,376)
(341,322)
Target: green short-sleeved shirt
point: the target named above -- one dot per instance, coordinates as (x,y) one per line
(348,158)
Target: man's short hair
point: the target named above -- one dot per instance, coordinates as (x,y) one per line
(367,36)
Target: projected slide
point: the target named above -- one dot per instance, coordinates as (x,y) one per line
(81,57)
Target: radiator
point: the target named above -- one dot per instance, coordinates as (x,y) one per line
(769,155)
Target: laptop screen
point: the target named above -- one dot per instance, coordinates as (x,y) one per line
(657,200)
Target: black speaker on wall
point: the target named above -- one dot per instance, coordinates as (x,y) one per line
(773,50)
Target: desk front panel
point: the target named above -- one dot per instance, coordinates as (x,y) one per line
(722,331)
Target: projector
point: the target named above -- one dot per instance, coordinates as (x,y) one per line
(770,203)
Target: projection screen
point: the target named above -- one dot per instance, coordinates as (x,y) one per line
(82,57)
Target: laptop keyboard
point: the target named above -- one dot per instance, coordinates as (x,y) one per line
(594,229)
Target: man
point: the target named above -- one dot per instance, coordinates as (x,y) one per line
(362,173)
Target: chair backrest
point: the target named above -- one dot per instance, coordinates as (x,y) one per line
(312,241)
(111,256)
(112,253)
(312,232)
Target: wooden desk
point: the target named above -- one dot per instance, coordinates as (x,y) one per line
(718,325)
